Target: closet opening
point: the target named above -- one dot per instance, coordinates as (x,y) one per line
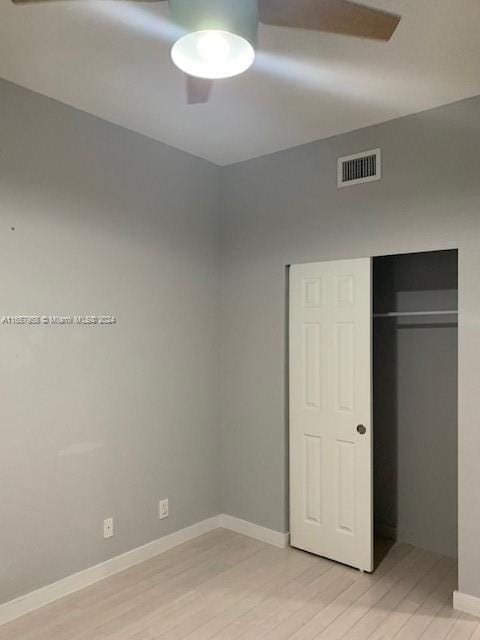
(415,383)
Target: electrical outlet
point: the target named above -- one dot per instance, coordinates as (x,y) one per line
(163,509)
(108,528)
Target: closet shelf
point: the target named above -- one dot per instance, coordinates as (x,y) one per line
(400,314)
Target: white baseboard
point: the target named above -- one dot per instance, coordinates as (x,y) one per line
(45,595)
(467,604)
(36,599)
(276,538)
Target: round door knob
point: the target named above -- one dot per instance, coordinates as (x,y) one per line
(361,429)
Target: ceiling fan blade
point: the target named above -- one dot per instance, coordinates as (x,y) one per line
(198,89)
(333,16)
(44,1)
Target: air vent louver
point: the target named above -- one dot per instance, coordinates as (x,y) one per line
(359,168)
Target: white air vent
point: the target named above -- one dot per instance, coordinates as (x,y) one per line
(360,167)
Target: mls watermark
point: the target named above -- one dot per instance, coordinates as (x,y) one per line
(88,320)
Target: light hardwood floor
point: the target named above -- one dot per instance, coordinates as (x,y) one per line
(226,586)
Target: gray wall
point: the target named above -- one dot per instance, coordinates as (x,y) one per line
(102,421)
(427,437)
(415,401)
(285,208)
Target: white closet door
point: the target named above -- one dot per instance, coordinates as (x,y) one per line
(331,410)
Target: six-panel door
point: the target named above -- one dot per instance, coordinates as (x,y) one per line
(330,396)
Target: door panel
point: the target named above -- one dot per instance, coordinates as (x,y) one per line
(345,481)
(344,366)
(313,479)
(330,394)
(312,359)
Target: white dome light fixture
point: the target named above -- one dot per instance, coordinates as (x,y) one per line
(213,54)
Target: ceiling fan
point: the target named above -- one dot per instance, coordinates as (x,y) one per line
(219,36)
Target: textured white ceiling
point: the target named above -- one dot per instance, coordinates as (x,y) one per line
(112,60)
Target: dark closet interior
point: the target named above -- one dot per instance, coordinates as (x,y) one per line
(415,302)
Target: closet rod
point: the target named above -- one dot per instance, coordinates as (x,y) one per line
(396,314)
